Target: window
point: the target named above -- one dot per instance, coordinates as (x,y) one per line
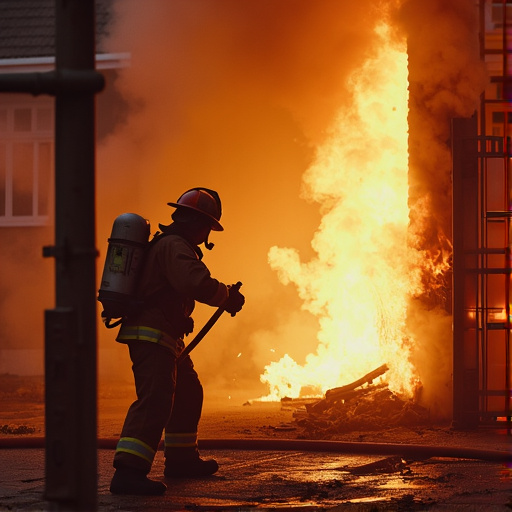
(26,162)
(498,123)
(499,117)
(498,8)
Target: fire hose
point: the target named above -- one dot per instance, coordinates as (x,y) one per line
(205,329)
(39,442)
(405,450)
(413,451)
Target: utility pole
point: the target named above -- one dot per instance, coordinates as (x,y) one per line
(70,328)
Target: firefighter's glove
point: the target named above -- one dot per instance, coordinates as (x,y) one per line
(234,302)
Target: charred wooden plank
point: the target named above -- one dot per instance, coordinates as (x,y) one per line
(344,392)
(332,394)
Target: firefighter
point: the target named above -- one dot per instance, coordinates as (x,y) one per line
(169,395)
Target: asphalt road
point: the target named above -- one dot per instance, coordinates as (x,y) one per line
(433,478)
(285,480)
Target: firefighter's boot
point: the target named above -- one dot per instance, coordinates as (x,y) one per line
(135,481)
(186,463)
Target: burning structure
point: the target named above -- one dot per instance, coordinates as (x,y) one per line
(369,109)
(395,256)
(327,128)
(374,151)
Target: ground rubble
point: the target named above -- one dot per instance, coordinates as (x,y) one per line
(359,405)
(273,475)
(374,407)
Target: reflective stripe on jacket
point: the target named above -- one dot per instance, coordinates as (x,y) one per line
(174,277)
(143,333)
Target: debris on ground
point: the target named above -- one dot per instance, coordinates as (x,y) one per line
(394,464)
(21,388)
(284,427)
(361,405)
(16,429)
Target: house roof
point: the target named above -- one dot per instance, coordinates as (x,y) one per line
(27,27)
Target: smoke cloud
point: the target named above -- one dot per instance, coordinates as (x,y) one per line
(446,78)
(234,96)
(239,97)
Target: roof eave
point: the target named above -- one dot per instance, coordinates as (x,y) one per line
(30,64)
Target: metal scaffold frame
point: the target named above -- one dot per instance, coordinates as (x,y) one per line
(482,222)
(495,213)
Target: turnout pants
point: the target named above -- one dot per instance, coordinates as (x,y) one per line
(169,398)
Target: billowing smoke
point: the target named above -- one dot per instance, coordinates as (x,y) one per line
(446,78)
(242,97)
(234,96)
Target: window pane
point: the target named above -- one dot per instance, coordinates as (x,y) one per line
(3,120)
(498,117)
(22,119)
(23,161)
(44,120)
(3,167)
(44,176)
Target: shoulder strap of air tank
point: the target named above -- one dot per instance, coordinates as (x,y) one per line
(156,237)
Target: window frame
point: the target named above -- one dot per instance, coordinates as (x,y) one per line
(37,137)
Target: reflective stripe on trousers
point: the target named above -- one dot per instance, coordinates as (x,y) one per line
(136,447)
(186,440)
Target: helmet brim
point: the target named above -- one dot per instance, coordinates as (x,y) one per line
(216,225)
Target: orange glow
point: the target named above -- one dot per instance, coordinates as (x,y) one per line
(360,281)
(257,101)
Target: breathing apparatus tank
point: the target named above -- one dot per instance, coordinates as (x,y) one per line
(123,265)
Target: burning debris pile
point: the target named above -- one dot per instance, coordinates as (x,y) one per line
(361,405)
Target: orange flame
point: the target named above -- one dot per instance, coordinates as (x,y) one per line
(364,272)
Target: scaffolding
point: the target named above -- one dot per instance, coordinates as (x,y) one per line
(496,213)
(482,220)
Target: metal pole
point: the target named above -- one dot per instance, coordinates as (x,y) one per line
(507,80)
(70,328)
(71,388)
(465,276)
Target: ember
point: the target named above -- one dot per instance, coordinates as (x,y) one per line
(360,405)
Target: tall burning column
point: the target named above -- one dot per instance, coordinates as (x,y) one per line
(446,78)
(381,283)
(359,283)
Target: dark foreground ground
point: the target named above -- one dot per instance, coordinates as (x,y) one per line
(425,467)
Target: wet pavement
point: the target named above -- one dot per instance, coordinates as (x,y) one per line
(266,464)
(284,480)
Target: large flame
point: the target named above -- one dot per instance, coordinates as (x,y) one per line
(363,276)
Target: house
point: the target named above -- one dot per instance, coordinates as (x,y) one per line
(27,33)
